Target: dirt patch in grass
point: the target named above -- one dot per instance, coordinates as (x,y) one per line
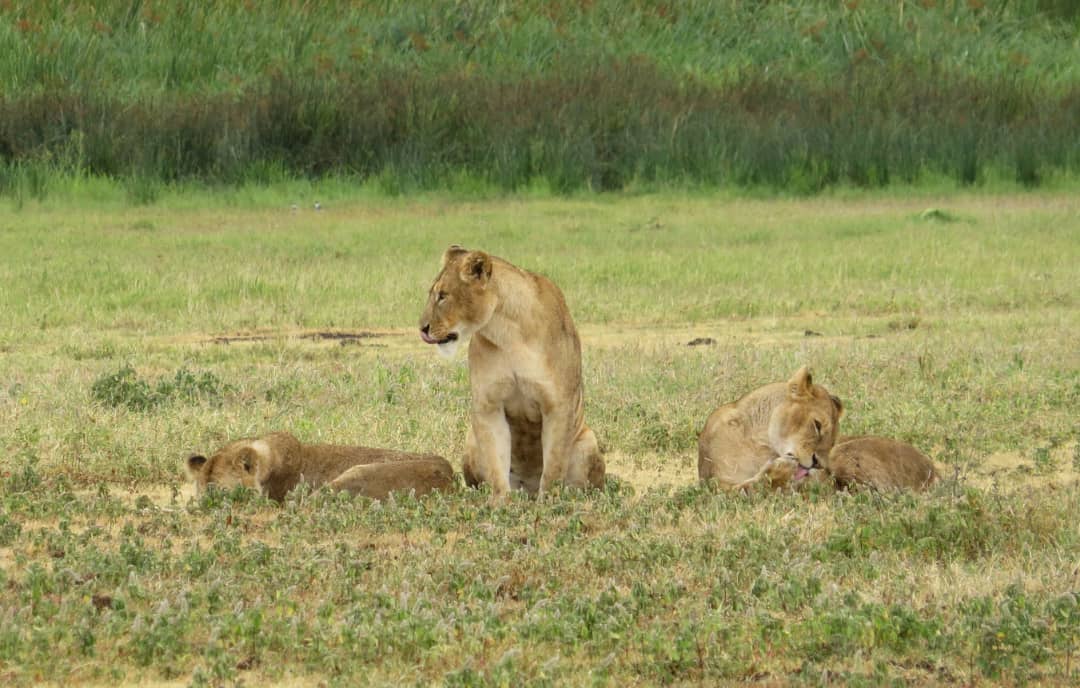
(811,328)
(652,471)
(765,331)
(1005,470)
(342,338)
(148,680)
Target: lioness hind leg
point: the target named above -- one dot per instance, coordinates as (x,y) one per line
(378,480)
(586,466)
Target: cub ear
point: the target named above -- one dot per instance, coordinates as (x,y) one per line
(476,266)
(838,404)
(800,383)
(195,463)
(452,252)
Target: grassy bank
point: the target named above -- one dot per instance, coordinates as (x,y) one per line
(600,95)
(133,336)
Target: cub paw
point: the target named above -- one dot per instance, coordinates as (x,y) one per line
(783,471)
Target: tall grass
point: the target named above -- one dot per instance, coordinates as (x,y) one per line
(577,95)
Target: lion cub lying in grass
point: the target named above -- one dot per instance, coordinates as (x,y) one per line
(276,463)
(880,463)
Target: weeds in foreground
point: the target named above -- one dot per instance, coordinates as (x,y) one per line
(607,585)
(126,388)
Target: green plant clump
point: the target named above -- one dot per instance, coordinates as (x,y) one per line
(126,388)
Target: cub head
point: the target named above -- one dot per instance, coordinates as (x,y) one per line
(460,301)
(243,462)
(804,426)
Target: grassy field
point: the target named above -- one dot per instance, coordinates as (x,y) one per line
(131,336)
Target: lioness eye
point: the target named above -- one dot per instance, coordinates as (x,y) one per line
(817,427)
(440,297)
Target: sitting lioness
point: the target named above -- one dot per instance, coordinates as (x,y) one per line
(528,429)
(780,433)
(278,462)
(880,463)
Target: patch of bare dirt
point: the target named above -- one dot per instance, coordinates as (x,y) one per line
(780,331)
(150,681)
(652,471)
(315,336)
(1005,470)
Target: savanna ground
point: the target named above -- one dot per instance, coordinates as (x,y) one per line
(132,336)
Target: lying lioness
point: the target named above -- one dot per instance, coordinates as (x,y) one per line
(528,424)
(880,463)
(276,463)
(780,433)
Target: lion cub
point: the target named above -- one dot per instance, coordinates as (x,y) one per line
(276,463)
(880,463)
(781,433)
(528,426)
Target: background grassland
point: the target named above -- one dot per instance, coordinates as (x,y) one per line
(954,329)
(562,95)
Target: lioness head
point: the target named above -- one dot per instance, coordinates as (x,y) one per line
(242,462)
(460,301)
(804,426)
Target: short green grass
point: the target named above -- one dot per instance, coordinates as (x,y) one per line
(132,336)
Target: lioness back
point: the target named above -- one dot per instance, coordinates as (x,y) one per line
(881,463)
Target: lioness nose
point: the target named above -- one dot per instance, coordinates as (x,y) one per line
(425,328)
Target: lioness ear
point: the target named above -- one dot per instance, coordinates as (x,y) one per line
(453,251)
(476,267)
(195,463)
(838,404)
(800,383)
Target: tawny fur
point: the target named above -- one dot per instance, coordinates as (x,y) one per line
(276,463)
(780,433)
(880,463)
(527,428)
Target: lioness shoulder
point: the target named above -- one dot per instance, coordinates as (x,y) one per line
(276,463)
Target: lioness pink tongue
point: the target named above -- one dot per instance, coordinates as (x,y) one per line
(801,473)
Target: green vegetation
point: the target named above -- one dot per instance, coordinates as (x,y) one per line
(134,336)
(606,589)
(125,388)
(558,95)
